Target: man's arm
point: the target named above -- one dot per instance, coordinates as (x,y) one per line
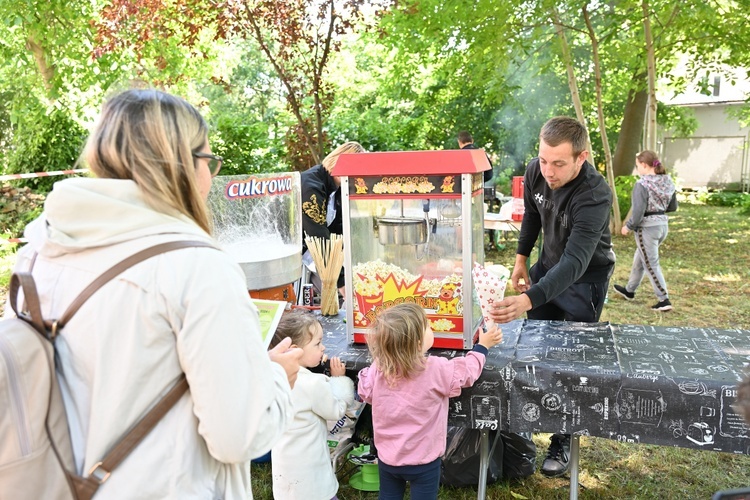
(590,221)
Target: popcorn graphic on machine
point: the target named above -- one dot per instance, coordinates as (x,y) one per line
(413,232)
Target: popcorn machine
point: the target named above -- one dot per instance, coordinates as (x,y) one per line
(413,230)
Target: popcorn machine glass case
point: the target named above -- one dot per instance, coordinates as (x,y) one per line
(413,230)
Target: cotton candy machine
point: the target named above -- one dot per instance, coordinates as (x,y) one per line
(413,230)
(257,221)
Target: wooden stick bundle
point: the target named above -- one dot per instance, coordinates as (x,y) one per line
(328,255)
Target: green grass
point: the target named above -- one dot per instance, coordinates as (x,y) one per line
(706,262)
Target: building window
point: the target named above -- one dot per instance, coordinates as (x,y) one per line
(717,85)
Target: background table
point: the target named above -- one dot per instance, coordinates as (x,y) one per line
(670,386)
(496,226)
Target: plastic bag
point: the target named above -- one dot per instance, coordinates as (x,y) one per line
(342,430)
(461,460)
(519,455)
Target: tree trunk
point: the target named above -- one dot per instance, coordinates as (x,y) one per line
(572,82)
(46,70)
(602,125)
(650,139)
(631,127)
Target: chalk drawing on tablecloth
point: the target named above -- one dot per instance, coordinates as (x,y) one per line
(646,368)
(551,402)
(600,370)
(683,349)
(602,408)
(700,433)
(695,388)
(707,411)
(634,340)
(668,338)
(487,386)
(531,372)
(530,412)
(639,406)
(719,368)
(565,354)
(528,359)
(731,422)
(485,411)
(677,427)
(667,357)
(456,409)
(714,344)
(698,371)
(508,374)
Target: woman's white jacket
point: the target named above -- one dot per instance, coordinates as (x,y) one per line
(183,311)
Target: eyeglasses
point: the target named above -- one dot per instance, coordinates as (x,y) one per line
(214,162)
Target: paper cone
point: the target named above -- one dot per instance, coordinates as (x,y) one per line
(490,283)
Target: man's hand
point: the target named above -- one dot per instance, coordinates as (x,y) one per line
(288,357)
(520,273)
(510,308)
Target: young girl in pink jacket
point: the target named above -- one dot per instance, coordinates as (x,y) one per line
(409,395)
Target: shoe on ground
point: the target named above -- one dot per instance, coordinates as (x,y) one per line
(558,456)
(623,292)
(664,305)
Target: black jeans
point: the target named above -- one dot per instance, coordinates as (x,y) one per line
(579,302)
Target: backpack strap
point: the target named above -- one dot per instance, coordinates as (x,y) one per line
(33,310)
(100,472)
(54,326)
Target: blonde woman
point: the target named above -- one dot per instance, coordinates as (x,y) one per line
(409,396)
(186,311)
(321,199)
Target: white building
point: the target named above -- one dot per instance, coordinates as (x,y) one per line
(716,155)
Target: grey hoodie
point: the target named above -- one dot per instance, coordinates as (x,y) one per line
(652,193)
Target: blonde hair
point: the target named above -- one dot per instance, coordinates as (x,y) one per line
(348,147)
(298,325)
(395,341)
(149,136)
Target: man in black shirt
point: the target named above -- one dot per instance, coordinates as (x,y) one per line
(569,201)
(466,141)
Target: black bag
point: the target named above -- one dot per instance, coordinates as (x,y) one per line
(519,455)
(460,465)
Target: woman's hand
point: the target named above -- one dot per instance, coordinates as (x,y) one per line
(624,231)
(288,357)
(338,367)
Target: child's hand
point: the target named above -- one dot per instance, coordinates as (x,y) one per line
(338,368)
(491,337)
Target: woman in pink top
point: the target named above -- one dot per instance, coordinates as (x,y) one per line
(409,396)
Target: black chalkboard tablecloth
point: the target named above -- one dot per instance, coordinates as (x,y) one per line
(672,386)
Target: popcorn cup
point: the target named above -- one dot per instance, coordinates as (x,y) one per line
(490,283)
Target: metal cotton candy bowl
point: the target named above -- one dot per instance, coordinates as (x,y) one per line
(402,231)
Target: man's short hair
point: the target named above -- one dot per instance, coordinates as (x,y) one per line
(465,138)
(561,129)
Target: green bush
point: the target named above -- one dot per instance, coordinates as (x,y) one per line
(624,188)
(41,142)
